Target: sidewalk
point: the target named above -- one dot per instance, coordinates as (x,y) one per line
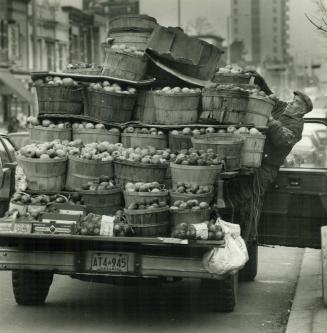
(308,314)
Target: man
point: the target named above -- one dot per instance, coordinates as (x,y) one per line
(246,194)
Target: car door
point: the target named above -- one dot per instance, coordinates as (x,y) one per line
(295,205)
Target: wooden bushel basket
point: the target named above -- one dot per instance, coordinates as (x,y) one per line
(177,108)
(95,135)
(145,111)
(227,146)
(146,140)
(149,222)
(198,175)
(124,65)
(104,202)
(132,21)
(231,78)
(189,216)
(110,106)
(126,171)
(224,106)
(47,134)
(59,99)
(259,110)
(251,154)
(44,174)
(131,38)
(81,171)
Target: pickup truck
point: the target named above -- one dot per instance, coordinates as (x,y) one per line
(35,258)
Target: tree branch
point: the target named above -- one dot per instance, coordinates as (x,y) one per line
(319,27)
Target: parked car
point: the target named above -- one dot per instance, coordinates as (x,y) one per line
(295,205)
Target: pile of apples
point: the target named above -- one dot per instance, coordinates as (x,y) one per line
(91,225)
(230,69)
(81,65)
(149,204)
(194,132)
(33,121)
(47,150)
(114,87)
(149,155)
(87,125)
(178,90)
(42,199)
(102,151)
(197,158)
(189,204)
(104,183)
(242,130)
(127,49)
(193,189)
(144,130)
(188,231)
(57,81)
(153,187)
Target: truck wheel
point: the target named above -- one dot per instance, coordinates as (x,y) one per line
(220,295)
(249,272)
(31,287)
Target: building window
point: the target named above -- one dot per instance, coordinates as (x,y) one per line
(275,19)
(50,50)
(235,31)
(235,11)
(275,49)
(275,29)
(235,20)
(62,56)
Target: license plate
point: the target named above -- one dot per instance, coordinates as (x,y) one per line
(109,262)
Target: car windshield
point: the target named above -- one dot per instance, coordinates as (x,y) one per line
(311,150)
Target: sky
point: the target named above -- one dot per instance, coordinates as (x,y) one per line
(306,43)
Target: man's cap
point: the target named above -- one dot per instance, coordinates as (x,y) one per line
(306,99)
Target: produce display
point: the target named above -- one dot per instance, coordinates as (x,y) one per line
(46,123)
(114,87)
(47,150)
(230,69)
(193,132)
(153,187)
(104,183)
(102,151)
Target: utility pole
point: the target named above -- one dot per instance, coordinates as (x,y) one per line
(179,13)
(34,34)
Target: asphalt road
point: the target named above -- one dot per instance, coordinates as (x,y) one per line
(75,306)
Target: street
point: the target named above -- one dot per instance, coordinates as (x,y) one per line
(75,306)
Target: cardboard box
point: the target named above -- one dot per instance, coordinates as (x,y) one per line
(16,227)
(68,209)
(54,223)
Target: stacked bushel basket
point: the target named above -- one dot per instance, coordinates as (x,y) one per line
(164,166)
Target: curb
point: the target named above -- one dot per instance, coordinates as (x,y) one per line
(308,297)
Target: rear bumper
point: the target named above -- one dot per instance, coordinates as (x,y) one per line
(142,265)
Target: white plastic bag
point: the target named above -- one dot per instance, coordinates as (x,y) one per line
(232,257)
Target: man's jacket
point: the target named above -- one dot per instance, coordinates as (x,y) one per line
(282,135)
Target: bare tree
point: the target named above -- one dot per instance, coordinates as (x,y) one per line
(199,26)
(321,22)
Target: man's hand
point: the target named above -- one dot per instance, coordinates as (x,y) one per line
(261,82)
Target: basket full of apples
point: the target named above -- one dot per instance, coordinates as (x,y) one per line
(233,74)
(102,196)
(177,105)
(125,62)
(59,95)
(144,137)
(185,192)
(225,104)
(148,218)
(93,161)
(44,165)
(89,132)
(141,165)
(47,130)
(135,192)
(182,138)
(196,167)
(109,102)
(190,211)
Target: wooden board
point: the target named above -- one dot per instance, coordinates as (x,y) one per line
(92,78)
